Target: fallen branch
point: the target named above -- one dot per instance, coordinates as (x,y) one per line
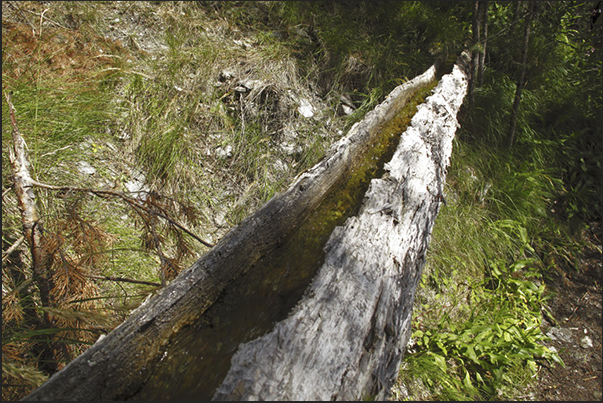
(32,231)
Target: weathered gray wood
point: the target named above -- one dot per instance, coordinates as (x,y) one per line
(346,338)
(118,365)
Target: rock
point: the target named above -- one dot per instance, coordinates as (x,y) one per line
(290,148)
(346,109)
(241,89)
(85,168)
(586,342)
(305,108)
(280,166)
(224,153)
(560,333)
(289,145)
(136,185)
(220,218)
(346,100)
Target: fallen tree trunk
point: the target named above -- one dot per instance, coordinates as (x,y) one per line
(346,338)
(119,365)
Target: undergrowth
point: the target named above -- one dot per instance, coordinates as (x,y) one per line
(476,330)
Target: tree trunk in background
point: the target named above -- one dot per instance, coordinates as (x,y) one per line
(522,74)
(474,54)
(484,41)
(479,26)
(515,17)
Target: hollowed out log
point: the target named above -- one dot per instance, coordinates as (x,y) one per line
(345,338)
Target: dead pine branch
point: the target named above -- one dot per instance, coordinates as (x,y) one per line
(129,200)
(24,184)
(13,247)
(148,212)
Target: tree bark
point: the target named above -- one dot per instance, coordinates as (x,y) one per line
(346,338)
(119,365)
(522,75)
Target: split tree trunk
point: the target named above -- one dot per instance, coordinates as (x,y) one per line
(346,338)
(117,366)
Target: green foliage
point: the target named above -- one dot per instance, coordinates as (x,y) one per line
(477,357)
(559,121)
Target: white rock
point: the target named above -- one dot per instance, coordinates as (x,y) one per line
(305,108)
(225,152)
(346,109)
(558,333)
(280,166)
(586,342)
(136,185)
(290,148)
(85,168)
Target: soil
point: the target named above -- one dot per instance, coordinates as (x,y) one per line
(576,307)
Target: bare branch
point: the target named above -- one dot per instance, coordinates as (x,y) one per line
(122,279)
(12,248)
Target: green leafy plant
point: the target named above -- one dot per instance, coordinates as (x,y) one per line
(477,357)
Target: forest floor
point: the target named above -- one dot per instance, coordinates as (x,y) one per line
(577,307)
